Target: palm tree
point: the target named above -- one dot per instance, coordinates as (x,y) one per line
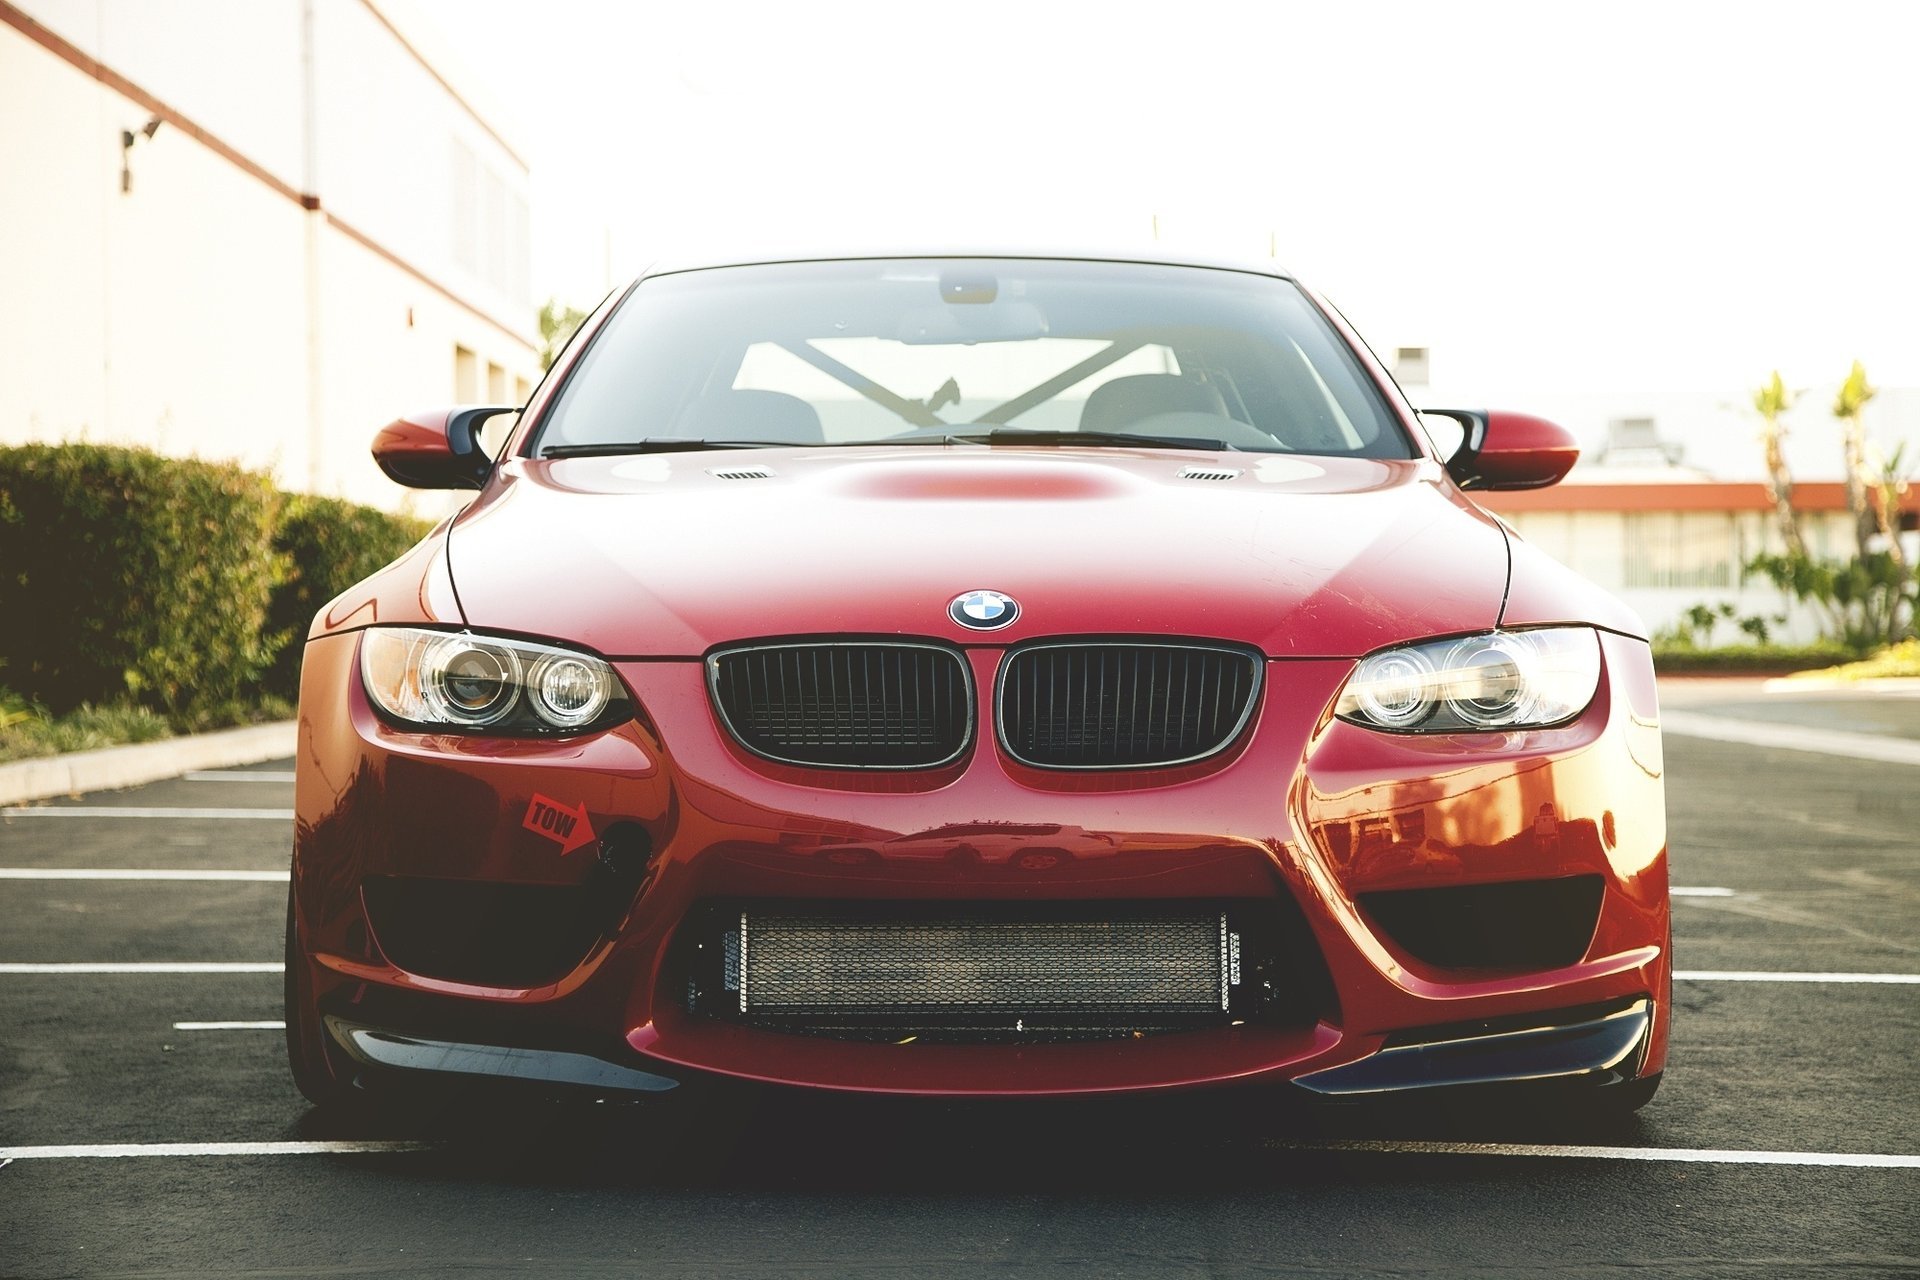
(1852,398)
(1773,400)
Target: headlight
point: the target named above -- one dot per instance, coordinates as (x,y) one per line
(1496,680)
(459,680)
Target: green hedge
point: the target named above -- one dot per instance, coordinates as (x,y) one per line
(330,545)
(124,573)
(1758,659)
(181,585)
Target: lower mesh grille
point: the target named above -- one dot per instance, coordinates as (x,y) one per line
(818,964)
(986,972)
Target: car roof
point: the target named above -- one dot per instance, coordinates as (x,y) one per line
(1151,255)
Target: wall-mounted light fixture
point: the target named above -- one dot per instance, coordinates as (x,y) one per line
(127,138)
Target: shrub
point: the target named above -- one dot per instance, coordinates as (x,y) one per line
(1897,661)
(330,545)
(1747,659)
(123,572)
(86,728)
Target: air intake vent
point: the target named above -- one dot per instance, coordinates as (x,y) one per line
(968,974)
(846,705)
(1000,971)
(1098,705)
(740,473)
(1208,473)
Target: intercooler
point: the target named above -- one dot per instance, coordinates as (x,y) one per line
(973,974)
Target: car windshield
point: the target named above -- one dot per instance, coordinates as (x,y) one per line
(932,350)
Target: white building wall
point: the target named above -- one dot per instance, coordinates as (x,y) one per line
(170,317)
(231,65)
(1602,546)
(207,311)
(407,192)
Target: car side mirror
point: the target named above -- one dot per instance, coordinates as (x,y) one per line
(1501,450)
(437,448)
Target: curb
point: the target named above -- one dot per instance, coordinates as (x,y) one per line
(112,767)
(1884,686)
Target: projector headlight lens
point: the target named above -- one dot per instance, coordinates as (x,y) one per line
(569,689)
(1495,680)
(440,680)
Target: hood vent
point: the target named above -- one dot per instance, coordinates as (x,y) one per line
(1207,473)
(740,473)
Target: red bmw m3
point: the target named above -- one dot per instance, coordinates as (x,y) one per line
(978,675)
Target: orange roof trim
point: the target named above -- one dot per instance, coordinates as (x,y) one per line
(1711,495)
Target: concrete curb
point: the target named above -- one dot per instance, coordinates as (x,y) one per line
(1879,686)
(113,767)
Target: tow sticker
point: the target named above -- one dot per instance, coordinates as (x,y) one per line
(570,826)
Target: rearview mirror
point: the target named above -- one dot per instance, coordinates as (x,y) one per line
(1501,450)
(437,448)
(1006,321)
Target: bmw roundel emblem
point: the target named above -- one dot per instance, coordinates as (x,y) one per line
(983,610)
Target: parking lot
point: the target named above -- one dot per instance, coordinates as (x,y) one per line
(148,1126)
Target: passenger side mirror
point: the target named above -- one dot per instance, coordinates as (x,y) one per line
(1501,450)
(437,448)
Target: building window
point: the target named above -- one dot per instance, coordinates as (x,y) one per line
(1410,366)
(1682,549)
(491,227)
(496,384)
(466,376)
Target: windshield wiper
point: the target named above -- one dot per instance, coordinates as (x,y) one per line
(655,446)
(1015,435)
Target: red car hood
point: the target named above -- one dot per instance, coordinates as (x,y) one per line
(663,555)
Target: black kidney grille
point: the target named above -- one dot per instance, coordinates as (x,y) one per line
(1118,706)
(846,706)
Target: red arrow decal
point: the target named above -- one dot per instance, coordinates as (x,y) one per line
(570,826)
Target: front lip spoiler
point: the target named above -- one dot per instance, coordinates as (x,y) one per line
(394,1051)
(1598,1051)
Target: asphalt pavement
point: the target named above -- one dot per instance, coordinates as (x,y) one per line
(1786,1140)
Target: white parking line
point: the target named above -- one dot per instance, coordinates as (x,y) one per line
(1739,975)
(1808,1159)
(1699,891)
(229,1026)
(96,1151)
(196,966)
(133,811)
(1685,1155)
(128,873)
(1755,733)
(239,775)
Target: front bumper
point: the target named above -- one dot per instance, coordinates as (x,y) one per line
(1336,822)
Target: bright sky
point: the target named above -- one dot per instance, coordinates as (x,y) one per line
(1622,196)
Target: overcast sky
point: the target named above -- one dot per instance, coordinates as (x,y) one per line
(1618,196)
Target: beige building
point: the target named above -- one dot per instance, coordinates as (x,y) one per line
(255,229)
(1666,543)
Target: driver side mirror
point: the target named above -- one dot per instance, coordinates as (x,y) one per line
(1501,450)
(437,448)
